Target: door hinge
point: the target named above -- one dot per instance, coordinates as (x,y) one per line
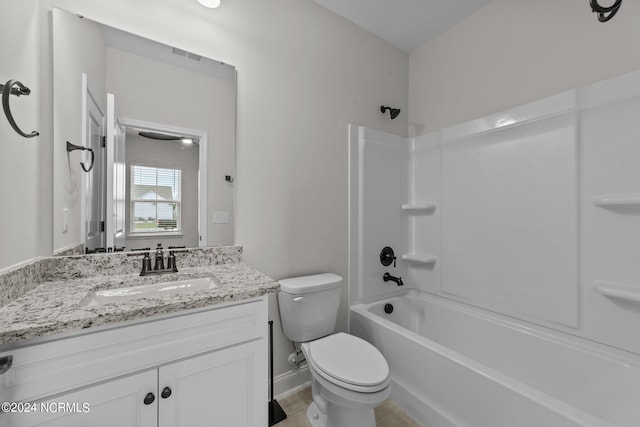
(102,226)
(104,142)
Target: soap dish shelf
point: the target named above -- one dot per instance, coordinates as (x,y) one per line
(420,258)
(419,207)
(604,201)
(618,291)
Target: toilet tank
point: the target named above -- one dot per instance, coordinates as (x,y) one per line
(309,306)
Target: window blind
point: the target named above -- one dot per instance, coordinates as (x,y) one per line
(155,199)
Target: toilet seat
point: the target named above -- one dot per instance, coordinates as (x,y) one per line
(349,362)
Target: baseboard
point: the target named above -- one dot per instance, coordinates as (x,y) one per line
(290,382)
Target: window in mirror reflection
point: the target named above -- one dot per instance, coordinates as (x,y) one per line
(155,199)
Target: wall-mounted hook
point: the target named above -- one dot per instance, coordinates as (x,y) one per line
(72,147)
(605,13)
(14,87)
(228,178)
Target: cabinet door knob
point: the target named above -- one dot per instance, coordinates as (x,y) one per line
(149,398)
(166,392)
(5,363)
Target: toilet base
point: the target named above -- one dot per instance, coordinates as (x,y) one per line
(315,417)
(340,417)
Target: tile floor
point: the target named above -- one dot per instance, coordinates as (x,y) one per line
(387,415)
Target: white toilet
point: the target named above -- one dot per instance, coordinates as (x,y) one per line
(350,377)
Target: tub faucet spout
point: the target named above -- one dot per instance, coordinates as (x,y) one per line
(388,277)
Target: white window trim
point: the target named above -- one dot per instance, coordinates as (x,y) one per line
(155,234)
(133,201)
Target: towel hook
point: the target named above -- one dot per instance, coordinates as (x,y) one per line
(602,11)
(9,89)
(72,147)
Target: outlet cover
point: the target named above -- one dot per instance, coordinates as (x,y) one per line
(221,217)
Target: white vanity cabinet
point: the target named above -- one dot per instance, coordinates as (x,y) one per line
(215,389)
(114,403)
(199,368)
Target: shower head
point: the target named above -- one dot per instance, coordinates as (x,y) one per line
(393,112)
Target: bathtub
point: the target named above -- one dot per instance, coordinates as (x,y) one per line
(454,365)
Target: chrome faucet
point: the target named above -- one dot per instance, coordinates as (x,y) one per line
(388,277)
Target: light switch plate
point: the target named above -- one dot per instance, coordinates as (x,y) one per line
(221,217)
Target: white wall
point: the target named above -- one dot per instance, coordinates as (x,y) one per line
(515,51)
(19,223)
(303,75)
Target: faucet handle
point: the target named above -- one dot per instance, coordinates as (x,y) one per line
(387,256)
(171,262)
(146,264)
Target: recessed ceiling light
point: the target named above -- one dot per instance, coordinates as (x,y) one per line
(211,4)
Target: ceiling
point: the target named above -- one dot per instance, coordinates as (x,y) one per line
(406,24)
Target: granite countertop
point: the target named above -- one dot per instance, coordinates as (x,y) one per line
(55,306)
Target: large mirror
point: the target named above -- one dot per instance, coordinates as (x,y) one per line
(144,142)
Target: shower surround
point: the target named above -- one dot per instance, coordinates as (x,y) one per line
(529,216)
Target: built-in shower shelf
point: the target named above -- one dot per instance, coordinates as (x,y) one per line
(419,207)
(618,290)
(617,200)
(419,258)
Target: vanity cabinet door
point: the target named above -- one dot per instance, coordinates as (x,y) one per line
(115,403)
(223,388)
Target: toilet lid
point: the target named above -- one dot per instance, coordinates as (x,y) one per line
(349,359)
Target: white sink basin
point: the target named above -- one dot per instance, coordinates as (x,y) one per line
(145,291)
